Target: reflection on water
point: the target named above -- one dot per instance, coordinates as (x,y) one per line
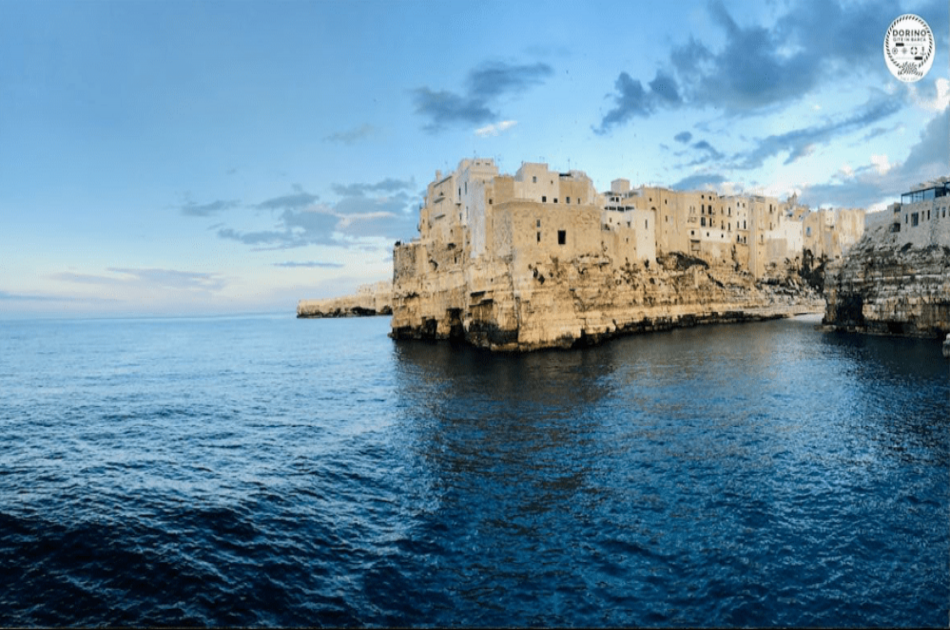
(752,474)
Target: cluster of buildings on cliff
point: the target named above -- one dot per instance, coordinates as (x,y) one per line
(921,218)
(476,214)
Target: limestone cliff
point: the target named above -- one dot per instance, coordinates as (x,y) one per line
(517,305)
(884,286)
(372,299)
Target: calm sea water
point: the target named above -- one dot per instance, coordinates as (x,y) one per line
(270,471)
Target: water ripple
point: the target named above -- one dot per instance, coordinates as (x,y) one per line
(270,472)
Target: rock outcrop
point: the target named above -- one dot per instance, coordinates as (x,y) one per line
(510,306)
(370,299)
(885,287)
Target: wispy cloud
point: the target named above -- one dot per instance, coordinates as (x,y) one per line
(352,136)
(484,86)
(383,209)
(193,209)
(34,297)
(495,129)
(299,199)
(800,142)
(360,190)
(311,264)
(683,137)
(157,278)
(881,180)
(699,182)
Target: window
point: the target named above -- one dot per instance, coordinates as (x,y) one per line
(914,219)
(489,201)
(534,179)
(555,200)
(646,224)
(539,236)
(543,198)
(561,237)
(703,222)
(539,223)
(568,200)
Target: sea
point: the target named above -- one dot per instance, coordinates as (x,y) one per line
(266,471)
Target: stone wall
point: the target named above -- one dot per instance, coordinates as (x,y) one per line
(884,286)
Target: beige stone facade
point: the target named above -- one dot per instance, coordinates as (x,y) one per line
(541,258)
(922,218)
(896,279)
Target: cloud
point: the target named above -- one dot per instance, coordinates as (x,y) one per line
(192,209)
(699,182)
(295,228)
(156,278)
(875,132)
(33,297)
(495,129)
(930,95)
(485,85)
(881,164)
(445,109)
(683,137)
(360,190)
(352,136)
(631,100)
(300,199)
(309,264)
(881,181)
(708,152)
(384,209)
(758,68)
(493,79)
(800,142)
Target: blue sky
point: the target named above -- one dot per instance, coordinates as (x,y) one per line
(183,158)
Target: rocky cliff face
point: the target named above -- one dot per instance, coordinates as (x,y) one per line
(882,287)
(369,300)
(518,305)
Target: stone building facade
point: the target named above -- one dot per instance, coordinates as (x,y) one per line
(488,242)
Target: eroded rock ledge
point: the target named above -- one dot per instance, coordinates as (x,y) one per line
(587,299)
(886,288)
(370,300)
